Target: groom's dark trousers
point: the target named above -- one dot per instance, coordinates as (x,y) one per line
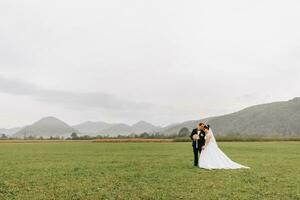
(197,145)
(197,151)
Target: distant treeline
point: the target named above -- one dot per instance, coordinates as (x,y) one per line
(182,136)
(75,136)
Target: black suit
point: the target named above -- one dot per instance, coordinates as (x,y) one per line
(198,144)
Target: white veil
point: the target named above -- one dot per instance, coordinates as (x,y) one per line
(212,139)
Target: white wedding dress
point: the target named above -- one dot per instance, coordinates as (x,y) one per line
(212,157)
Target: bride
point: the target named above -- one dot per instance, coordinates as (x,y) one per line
(212,157)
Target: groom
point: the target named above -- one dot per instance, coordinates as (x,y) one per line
(198,137)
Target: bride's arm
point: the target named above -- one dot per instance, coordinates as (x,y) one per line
(207,139)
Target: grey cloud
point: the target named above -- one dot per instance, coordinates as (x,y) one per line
(71,99)
(17,87)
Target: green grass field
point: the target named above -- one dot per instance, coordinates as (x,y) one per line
(84,170)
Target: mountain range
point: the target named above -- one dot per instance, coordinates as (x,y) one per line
(51,126)
(92,128)
(272,119)
(46,127)
(114,129)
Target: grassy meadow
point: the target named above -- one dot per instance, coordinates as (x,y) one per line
(85,170)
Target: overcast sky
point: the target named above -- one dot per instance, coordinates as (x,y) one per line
(162,61)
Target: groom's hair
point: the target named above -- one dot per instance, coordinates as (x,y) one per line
(201,124)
